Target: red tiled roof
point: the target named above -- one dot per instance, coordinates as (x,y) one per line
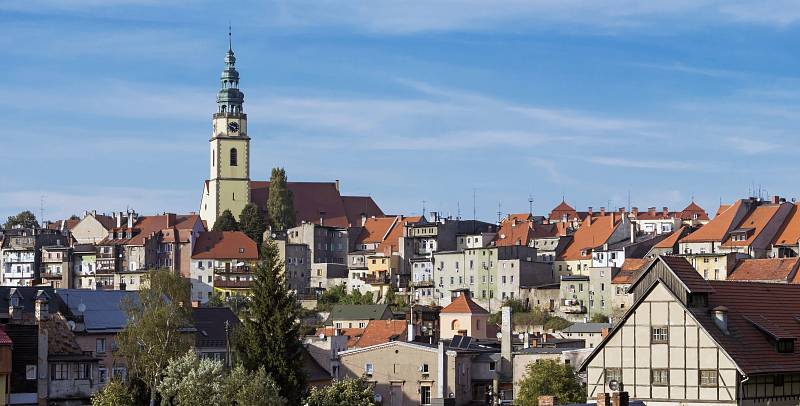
(630,269)
(375,229)
(313,198)
(225,245)
(464,304)
(353,334)
(146,226)
(765,270)
(789,233)
(692,209)
(772,306)
(670,241)
(563,208)
(682,269)
(756,220)
(392,241)
(716,229)
(382,331)
(591,234)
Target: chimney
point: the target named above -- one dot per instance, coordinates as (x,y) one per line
(721,318)
(41,307)
(603,399)
(337,185)
(527,338)
(505,339)
(94,213)
(633,232)
(665,210)
(604,332)
(619,399)
(118,217)
(622,210)
(776,199)
(590,210)
(651,210)
(602,211)
(130,219)
(588,220)
(547,400)
(363,219)
(613,215)
(635,211)
(321,218)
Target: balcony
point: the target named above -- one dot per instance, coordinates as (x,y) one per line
(232,269)
(222,283)
(51,275)
(375,280)
(422,284)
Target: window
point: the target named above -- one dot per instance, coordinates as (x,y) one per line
(368,369)
(785,346)
(777,380)
(84,371)
(30,372)
(59,372)
(425,395)
(613,374)
(492,366)
(424,368)
(708,377)
(659,377)
(659,335)
(234,157)
(102,375)
(100,346)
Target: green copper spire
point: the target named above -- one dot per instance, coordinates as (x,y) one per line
(230,98)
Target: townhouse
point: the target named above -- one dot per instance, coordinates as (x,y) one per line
(593,233)
(21,254)
(328,247)
(222,262)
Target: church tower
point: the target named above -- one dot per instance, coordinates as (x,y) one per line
(228,185)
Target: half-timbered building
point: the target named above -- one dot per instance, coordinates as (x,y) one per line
(690,341)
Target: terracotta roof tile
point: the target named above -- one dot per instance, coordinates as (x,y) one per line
(382,331)
(4,338)
(670,241)
(692,209)
(375,229)
(225,245)
(630,269)
(756,220)
(716,229)
(765,270)
(591,234)
(353,334)
(789,233)
(464,304)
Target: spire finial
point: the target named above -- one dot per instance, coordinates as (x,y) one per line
(230,40)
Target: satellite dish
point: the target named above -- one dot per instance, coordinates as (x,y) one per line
(614,385)
(81,307)
(424,329)
(521,336)
(499,335)
(321,336)
(71,325)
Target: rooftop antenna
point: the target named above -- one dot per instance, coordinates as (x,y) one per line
(499,211)
(458,212)
(41,209)
(423,208)
(629,199)
(530,205)
(474,216)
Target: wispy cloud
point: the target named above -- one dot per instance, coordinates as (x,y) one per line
(751,146)
(644,164)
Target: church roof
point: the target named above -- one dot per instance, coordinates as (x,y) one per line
(464,304)
(315,200)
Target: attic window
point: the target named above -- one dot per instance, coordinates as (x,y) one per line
(241,250)
(785,346)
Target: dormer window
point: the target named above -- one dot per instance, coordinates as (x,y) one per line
(785,346)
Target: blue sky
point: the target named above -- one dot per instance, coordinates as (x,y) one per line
(106,104)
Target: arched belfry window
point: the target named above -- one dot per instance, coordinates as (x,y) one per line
(234,157)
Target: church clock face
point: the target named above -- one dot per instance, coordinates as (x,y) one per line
(233,127)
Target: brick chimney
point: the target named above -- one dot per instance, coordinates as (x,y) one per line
(619,399)
(602,211)
(603,399)
(665,209)
(590,210)
(776,199)
(546,400)
(41,308)
(604,332)
(635,211)
(651,210)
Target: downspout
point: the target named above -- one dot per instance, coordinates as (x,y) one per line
(741,388)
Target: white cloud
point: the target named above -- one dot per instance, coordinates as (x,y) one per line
(643,164)
(751,146)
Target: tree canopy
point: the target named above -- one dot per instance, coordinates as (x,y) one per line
(351,392)
(338,295)
(280,204)
(550,377)
(599,318)
(252,223)
(24,219)
(270,333)
(226,222)
(154,336)
(115,393)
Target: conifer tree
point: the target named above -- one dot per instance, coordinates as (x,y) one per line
(226,222)
(252,223)
(270,333)
(280,207)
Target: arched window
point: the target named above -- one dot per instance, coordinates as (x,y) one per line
(455,325)
(234,157)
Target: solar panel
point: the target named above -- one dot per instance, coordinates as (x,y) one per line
(465,342)
(456,342)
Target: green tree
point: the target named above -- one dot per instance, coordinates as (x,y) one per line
(115,393)
(24,219)
(270,333)
(351,392)
(556,323)
(599,318)
(252,223)
(280,205)
(550,377)
(154,333)
(189,380)
(243,387)
(226,222)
